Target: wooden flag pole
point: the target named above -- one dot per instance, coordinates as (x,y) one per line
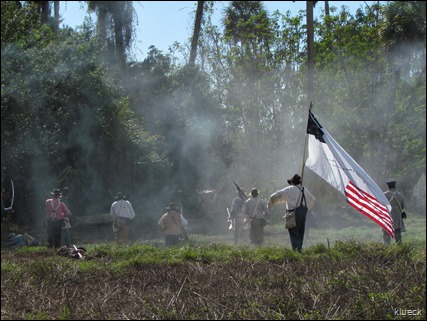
(305,149)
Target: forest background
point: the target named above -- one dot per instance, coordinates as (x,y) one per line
(230,106)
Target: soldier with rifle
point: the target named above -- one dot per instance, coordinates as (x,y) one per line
(236,216)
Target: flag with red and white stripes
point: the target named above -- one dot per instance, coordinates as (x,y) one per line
(331,162)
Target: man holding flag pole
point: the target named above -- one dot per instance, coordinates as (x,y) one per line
(298,201)
(330,161)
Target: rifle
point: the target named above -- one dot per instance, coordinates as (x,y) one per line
(241,193)
(13,194)
(77,252)
(183,230)
(230,220)
(402,212)
(228,214)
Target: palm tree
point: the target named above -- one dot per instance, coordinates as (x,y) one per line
(101,9)
(248,37)
(404,26)
(310,51)
(404,32)
(118,17)
(43,8)
(196,34)
(327,8)
(56,17)
(237,15)
(404,23)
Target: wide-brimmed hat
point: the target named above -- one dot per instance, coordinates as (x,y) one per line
(171,207)
(56,192)
(295,180)
(254,192)
(120,196)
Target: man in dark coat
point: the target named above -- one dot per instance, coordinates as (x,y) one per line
(398,213)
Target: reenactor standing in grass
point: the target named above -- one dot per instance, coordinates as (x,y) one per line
(122,213)
(255,210)
(299,200)
(56,211)
(398,213)
(173,225)
(236,218)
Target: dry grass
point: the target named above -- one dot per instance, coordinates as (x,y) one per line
(353,281)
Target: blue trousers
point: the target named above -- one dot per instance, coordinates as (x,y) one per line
(297,233)
(15,242)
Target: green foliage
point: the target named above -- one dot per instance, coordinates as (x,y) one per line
(18,21)
(115,25)
(7,267)
(65,314)
(72,116)
(365,104)
(319,248)
(37,316)
(74,121)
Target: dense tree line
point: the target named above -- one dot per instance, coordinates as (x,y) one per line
(76,111)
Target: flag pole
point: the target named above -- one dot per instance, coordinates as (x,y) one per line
(305,148)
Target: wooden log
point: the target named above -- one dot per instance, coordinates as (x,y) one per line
(97,219)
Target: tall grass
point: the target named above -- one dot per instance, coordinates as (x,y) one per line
(349,277)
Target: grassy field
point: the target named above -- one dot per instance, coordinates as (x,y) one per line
(342,274)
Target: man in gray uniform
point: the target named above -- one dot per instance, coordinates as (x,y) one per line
(398,213)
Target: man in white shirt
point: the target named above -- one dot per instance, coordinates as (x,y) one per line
(255,210)
(122,213)
(294,195)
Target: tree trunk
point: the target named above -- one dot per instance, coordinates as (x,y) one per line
(43,8)
(196,34)
(102,24)
(327,8)
(56,16)
(310,52)
(118,35)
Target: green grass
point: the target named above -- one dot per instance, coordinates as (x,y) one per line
(350,277)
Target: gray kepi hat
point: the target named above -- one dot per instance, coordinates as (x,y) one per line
(391,184)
